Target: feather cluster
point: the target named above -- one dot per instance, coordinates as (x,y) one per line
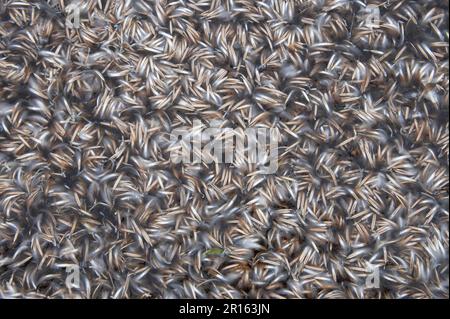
(86,180)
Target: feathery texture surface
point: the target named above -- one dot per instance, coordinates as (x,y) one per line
(85,173)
